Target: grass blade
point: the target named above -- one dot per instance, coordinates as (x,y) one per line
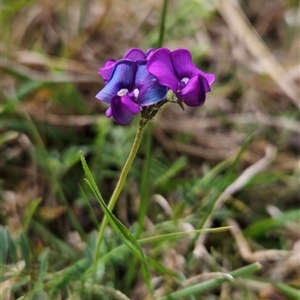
(212,283)
(288,291)
(4,245)
(25,250)
(43,267)
(33,205)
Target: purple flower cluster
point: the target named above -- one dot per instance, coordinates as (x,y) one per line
(141,79)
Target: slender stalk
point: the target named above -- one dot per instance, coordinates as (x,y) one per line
(121,181)
(162,24)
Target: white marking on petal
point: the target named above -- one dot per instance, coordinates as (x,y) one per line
(122,92)
(185,80)
(136,93)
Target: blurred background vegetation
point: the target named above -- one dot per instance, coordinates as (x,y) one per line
(50,54)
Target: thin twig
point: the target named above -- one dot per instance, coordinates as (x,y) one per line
(47,76)
(242,28)
(74,120)
(245,250)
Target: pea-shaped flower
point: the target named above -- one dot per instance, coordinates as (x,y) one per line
(133,54)
(176,70)
(129,88)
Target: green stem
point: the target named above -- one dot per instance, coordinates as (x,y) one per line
(162,24)
(121,181)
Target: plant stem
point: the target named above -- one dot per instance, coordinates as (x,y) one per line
(162,24)
(121,181)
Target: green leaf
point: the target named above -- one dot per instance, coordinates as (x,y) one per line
(20,285)
(119,228)
(175,235)
(88,204)
(25,250)
(54,241)
(224,183)
(43,262)
(12,248)
(202,287)
(261,227)
(38,292)
(4,244)
(288,291)
(170,172)
(70,273)
(27,87)
(70,157)
(33,205)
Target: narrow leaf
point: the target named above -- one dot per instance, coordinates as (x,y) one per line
(288,291)
(119,228)
(33,205)
(25,250)
(3,244)
(212,283)
(174,235)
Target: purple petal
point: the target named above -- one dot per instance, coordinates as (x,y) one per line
(107,70)
(204,82)
(130,105)
(209,77)
(122,78)
(150,91)
(160,65)
(194,93)
(149,52)
(135,54)
(183,64)
(107,93)
(108,112)
(123,109)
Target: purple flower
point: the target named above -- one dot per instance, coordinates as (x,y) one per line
(133,54)
(129,87)
(176,71)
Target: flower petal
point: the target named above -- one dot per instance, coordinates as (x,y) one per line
(135,54)
(107,70)
(205,83)
(209,77)
(149,52)
(123,109)
(183,64)
(160,65)
(108,92)
(108,112)
(122,78)
(130,105)
(194,93)
(150,91)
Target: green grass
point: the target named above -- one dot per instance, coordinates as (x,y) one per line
(53,199)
